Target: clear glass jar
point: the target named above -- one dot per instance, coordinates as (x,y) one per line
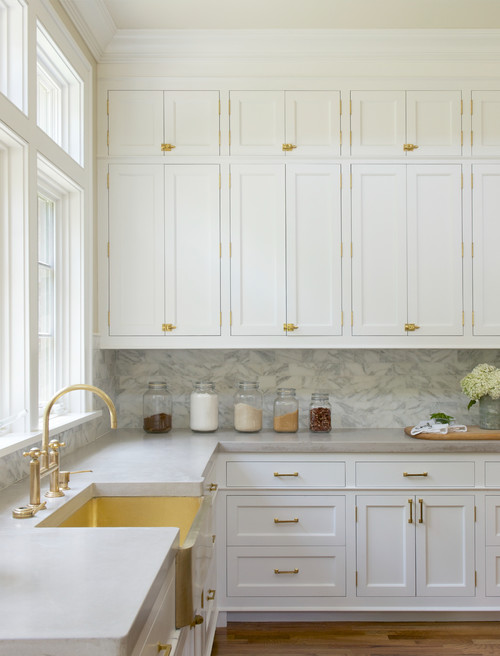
(286,411)
(157,408)
(320,413)
(248,407)
(204,408)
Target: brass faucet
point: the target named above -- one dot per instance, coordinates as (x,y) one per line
(45,461)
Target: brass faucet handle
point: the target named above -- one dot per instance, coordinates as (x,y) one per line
(55,445)
(34,453)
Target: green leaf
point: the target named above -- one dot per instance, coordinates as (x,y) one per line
(441,417)
(471,403)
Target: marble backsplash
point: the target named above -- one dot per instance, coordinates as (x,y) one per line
(368,388)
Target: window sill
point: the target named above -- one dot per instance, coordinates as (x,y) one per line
(12,442)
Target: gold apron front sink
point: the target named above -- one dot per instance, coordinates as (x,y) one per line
(136,511)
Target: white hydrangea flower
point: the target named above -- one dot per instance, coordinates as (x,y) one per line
(483,380)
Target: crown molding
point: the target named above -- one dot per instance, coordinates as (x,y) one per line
(93,21)
(138,46)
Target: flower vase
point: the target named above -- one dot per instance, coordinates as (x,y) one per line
(489,413)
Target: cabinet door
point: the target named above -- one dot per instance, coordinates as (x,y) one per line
(257,122)
(445,546)
(313,123)
(486,237)
(377,123)
(313,250)
(485,123)
(258,303)
(379,285)
(135,123)
(434,211)
(385,536)
(136,249)
(434,123)
(192,122)
(492,510)
(192,243)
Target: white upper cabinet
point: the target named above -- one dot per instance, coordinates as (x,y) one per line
(298,123)
(164,236)
(313,249)
(156,122)
(417,124)
(485,110)
(486,238)
(407,249)
(378,123)
(286,266)
(258,303)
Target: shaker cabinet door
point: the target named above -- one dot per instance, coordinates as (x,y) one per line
(135,123)
(191,120)
(485,110)
(136,255)
(258,303)
(379,283)
(378,123)
(434,123)
(192,242)
(312,123)
(313,249)
(434,216)
(257,122)
(486,260)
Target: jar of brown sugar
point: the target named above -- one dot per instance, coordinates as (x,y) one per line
(320,413)
(286,411)
(157,408)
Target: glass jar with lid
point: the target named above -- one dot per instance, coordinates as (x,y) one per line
(248,407)
(157,408)
(204,408)
(286,411)
(320,413)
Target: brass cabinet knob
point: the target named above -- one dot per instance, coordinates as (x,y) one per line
(167,147)
(211,595)
(288,147)
(409,147)
(168,327)
(290,327)
(410,327)
(197,619)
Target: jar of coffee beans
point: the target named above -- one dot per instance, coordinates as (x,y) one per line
(320,413)
(157,408)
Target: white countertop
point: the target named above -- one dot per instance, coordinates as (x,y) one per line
(96,587)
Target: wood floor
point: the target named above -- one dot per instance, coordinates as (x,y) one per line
(358,639)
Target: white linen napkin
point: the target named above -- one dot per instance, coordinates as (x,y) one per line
(432,426)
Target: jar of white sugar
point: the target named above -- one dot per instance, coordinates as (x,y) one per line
(248,407)
(204,413)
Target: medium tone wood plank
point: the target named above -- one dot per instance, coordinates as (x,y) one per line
(358,639)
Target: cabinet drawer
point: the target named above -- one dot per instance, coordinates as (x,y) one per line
(160,628)
(286,571)
(285,474)
(286,520)
(492,474)
(415,474)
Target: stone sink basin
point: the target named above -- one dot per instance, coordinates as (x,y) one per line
(191,515)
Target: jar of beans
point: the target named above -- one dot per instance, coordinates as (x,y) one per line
(320,413)
(157,408)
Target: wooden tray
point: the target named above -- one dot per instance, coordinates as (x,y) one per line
(473,433)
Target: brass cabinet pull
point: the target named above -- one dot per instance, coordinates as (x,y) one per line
(167,147)
(211,595)
(422,474)
(409,147)
(421,518)
(168,327)
(410,501)
(212,487)
(288,147)
(286,571)
(410,327)
(197,619)
(286,521)
(166,648)
(290,327)
(278,474)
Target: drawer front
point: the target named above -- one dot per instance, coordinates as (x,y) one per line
(492,511)
(285,571)
(285,520)
(492,474)
(285,474)
(415,474)
(163,630)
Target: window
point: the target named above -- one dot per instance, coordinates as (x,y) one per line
(13,51)
(46,301)
(59,97)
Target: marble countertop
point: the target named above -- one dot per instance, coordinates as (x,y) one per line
(60,585)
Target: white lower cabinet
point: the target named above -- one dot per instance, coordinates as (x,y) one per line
(415,545)
(492,513)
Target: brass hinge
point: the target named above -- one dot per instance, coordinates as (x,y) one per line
(350,106)
(229,106)
(220,249)
(475,578)
(472,249)
(355,513)
(352,318)
(462,249)
(229,137)
(221,318)
(230,318)
(472,137)
(108,248)
(472,317)
(475,513)
(230,249)
(351,249)
(356,578)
